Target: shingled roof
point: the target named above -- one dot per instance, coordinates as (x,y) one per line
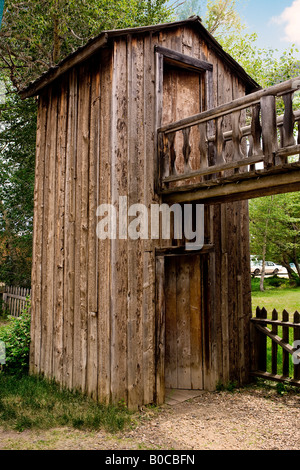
(105,37)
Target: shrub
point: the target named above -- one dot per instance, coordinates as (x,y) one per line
(16,336)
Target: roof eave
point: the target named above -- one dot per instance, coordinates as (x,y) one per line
(100,41)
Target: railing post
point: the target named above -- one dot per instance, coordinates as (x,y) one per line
(269,129)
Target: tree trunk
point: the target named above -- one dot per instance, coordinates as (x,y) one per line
(286,265)
(263,267)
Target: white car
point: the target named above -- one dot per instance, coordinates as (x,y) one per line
(255,267)
(270,268)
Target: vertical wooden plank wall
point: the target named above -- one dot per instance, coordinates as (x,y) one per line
(65,274)
(94,317)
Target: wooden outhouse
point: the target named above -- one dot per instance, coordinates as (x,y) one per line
(122,318)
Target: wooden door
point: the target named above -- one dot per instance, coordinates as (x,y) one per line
(183,324)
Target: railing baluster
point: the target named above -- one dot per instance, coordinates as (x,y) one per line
(219,142)
(203,146)
(236,136)
(256,130)
(172,152)
(186,149)
(288,120)
(269,129)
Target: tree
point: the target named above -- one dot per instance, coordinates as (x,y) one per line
(17,161)
(275,229)
(36,35)
(220,17)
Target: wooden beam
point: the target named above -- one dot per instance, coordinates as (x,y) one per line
(251,188)
(275,322)
(181,251)
(182,60)
(215,169)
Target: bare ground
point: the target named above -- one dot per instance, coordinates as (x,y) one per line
(248,419)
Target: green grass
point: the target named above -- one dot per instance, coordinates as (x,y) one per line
(29,402)
(281,297)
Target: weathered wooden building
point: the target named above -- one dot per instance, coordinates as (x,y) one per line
(124,319)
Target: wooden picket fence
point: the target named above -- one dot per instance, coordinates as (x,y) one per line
(278,361)
(15,300)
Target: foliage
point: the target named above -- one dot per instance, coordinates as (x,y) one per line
(16,336)
(36,34)
(275,229)
(17,161)
(264,65)
(220,17)
(30,402)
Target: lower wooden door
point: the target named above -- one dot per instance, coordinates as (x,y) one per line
(183,327)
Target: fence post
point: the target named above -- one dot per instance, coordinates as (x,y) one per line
(274,345)
(260,344)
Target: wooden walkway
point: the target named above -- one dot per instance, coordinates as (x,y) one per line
(236,151)
(175,396)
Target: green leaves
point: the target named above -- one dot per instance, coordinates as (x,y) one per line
(37,34)
(16,336)
(17,163)
(276,219)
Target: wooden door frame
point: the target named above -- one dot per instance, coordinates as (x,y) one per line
(164,55)
(160,312)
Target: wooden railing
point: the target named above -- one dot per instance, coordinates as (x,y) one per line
(231,139)
(15,300)
(283,334)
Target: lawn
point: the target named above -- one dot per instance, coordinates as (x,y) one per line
(280,299)
(278,294)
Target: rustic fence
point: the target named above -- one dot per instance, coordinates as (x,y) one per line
(15,299)
(276,358)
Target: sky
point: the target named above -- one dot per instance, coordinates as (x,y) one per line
(277,22)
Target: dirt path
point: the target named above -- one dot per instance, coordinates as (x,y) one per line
(250,419)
